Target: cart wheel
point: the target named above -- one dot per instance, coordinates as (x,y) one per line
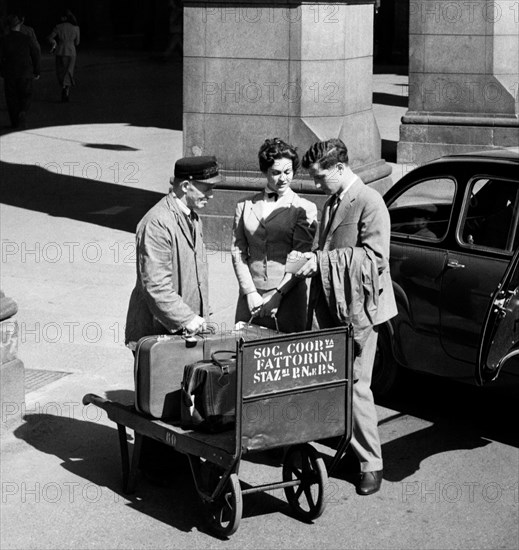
(307,499)
(225,513)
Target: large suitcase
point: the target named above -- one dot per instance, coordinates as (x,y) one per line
(160,361)
(208,400)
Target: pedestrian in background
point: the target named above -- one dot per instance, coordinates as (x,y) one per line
(19,66)
(267,228)
(28,31)
(64,38)
(351,283)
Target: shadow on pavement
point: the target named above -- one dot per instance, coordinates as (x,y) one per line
(388,151)
(404,455)
(111,87)
(469,411)
(87,200)
(91,451)
(110,146)
(384,68)
(463,417)
(395,100)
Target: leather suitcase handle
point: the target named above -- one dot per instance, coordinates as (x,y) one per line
(223,368)
(192,340)
(223,380)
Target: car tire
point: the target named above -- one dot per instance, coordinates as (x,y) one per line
(386,370)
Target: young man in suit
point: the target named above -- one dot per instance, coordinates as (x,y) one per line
(355,217)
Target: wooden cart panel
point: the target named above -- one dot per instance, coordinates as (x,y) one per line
(295,388)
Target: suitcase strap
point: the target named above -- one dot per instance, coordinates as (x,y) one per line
(224,367)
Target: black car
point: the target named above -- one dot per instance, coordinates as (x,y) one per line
(454,243)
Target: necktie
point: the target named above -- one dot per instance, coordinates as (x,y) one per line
(191,221)
(273,196)
(331,212)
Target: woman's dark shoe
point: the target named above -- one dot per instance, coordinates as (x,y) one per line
(65,93)
(369,482)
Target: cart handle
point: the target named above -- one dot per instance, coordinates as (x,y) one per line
(92,398)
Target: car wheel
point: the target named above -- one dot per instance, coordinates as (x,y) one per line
(385,368)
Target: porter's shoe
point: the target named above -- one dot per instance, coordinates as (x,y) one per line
(369,482)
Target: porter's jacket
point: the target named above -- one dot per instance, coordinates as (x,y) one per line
(172,281)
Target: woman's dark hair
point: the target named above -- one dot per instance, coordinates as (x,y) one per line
(326,153)
(68,16)
(274,149)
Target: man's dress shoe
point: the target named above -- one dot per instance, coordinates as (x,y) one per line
(369,482)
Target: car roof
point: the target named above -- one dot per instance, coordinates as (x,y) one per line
(511,154)
(507,158)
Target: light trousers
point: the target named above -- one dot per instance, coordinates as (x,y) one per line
(365,440)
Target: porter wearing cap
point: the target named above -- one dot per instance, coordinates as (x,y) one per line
(171,293)
(204,169)
(193,183)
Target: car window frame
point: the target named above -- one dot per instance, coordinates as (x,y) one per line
(475,248)
(418,239)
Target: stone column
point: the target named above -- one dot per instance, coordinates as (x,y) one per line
(301,71)
(12,371)
(463,78)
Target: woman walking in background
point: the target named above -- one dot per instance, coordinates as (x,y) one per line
(64,39)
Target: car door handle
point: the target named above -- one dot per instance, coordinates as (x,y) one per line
(454,264)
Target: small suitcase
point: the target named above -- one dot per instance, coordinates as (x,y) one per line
(160,361)
(208,399)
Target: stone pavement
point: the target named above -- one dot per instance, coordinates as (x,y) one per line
(74,184)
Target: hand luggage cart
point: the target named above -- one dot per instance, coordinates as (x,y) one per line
(290,390)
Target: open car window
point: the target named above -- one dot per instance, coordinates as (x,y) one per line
(491,215)
(423,211)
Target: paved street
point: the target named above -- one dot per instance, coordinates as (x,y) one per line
(73,185)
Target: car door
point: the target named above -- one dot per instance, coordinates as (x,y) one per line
(500,335)
(475,265)
(420,212)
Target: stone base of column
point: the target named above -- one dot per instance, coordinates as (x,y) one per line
(12,393)
(426,137)
(12,371)
(218,215)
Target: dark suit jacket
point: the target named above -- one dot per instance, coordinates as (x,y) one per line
(361,220)
(172,280)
